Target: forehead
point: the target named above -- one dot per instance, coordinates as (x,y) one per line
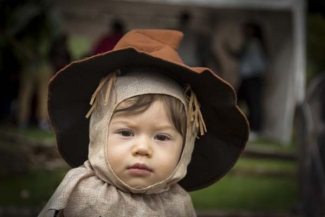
(155,116)
(141,103)
(138,104)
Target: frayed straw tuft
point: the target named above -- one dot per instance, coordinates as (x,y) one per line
(194,117)
(111,78)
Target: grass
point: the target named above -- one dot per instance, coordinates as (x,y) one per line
(248,193)
(273,165)
(273,145)
(31,189)
(253,192)
(32,133)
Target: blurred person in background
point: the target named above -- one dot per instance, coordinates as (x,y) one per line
(188,47)
(60,54)
(252,69)
(32,44)
(9,64)
(196,47)
(9,70)
(110,38)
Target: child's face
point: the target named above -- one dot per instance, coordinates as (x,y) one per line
(143,148)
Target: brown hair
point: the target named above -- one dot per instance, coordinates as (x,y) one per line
(174,108)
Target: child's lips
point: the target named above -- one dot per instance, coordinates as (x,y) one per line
(139,169)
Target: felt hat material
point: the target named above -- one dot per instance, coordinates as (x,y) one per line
(71,89)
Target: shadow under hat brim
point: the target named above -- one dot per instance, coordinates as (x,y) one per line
(215,153)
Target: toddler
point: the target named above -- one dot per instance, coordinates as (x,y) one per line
(155,130)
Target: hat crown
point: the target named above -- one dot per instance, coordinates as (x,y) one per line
(148,38)
(159,43)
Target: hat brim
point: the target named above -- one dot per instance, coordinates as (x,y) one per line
(214,154)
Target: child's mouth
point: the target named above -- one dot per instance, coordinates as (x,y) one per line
(139,169)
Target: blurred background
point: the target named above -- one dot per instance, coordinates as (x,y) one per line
(271,51)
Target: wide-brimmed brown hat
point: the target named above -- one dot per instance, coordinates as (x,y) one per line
(71,89)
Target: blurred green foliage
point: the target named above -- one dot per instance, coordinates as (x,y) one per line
(79,46)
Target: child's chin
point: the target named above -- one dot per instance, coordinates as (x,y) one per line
(139,185)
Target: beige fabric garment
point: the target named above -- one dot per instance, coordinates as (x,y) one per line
(94,190)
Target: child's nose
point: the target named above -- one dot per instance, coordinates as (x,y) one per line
(142,146)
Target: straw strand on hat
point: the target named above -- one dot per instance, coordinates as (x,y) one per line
(111,78)
(194,117)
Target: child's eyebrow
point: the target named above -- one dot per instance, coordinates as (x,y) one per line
(123,121)
(159,126)
(165,127)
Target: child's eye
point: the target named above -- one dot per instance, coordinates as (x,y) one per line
(162,137)
(125,132)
